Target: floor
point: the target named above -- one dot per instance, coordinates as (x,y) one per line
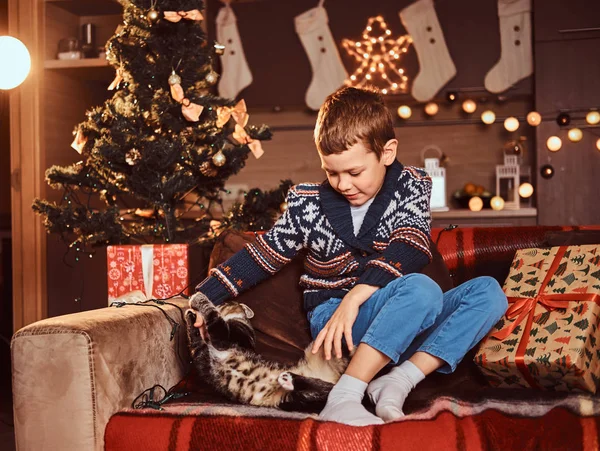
(7,437)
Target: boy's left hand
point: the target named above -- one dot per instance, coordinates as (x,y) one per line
(339,325)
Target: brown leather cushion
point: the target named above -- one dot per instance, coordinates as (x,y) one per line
(282,330)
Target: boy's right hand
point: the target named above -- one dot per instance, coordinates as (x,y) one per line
(339,325)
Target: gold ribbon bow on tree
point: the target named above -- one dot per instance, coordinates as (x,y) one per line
(238,112)
(191,111)
(118,79)
(79,141)
(176,16)
(242,137)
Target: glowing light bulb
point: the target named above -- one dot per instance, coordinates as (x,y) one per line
(598,144)
(475,203)
(525,190)
(534,118)
(497,203)
(554,143)
(575,135)
(404,111)
(16,61)
(469,106)
(593,117)
(431,109)
(511,124)
(488,117)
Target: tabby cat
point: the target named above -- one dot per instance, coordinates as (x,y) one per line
(227,361)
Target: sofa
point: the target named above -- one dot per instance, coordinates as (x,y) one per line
(106,378)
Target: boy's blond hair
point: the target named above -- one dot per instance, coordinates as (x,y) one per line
(350,115)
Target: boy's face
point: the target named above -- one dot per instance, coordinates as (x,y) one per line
(356,173)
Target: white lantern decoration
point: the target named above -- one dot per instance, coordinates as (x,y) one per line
(438,179)
(507,181)
(15,62)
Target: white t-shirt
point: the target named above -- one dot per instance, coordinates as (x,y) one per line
(358,214)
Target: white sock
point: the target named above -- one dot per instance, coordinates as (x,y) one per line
(436,67)
(328,72)
(516,61)
(235,74)
(344,404)
(389,392)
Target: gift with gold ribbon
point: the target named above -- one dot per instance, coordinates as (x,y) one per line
(549,337)
(151,271)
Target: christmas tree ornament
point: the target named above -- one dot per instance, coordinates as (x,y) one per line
(176,16)
(593,117)
(132,156)
(575,135)
(378,55)
(328,72)
(547,171)
(79,141)
(516,61)
(219,159)
(563,119)
(219,48)
(174,79)
(534,118)
(236,74)
(212,77)
(242,137)
(436,67)
(283,207)
(488,117)
(238,112)
(208,170)
(117,81)
(153,16)
(554,143)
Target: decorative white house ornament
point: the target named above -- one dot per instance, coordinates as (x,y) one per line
(508,181)
(438,179)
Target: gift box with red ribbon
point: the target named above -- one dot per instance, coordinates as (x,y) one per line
(154,271)
(549,337)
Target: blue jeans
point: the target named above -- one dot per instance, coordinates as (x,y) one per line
(411,314)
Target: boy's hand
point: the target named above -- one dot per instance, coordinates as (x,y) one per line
(340,324)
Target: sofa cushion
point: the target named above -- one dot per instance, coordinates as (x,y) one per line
(282,330)
(571,237)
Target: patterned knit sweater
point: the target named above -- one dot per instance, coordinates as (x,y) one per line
(393,240)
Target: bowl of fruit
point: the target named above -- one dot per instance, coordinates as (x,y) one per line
(462,196)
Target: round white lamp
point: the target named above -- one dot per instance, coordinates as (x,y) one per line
(15,62)
(534,118)
(593,117)
(488,117)
(554,143)
(575,135)
(404,111)
(525,190)
(511,124)
(469,106)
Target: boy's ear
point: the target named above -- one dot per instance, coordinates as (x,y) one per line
(390,150)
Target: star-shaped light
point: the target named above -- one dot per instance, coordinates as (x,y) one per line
(379,55)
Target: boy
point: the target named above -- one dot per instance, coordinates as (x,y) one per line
(367,231)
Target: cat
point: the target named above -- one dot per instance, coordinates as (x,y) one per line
(226,360)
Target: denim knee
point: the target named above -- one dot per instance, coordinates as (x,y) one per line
(425,292)
(490,296)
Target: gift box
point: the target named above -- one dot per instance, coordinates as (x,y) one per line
(154,271)
(549,336)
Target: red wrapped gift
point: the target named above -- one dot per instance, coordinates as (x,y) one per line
(155,270)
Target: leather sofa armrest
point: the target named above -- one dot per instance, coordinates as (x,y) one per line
(71,373)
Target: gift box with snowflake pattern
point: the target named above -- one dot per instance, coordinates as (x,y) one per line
(549,337)
(154,271)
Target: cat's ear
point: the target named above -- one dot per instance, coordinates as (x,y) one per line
(248,311)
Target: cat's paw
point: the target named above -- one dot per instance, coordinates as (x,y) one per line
(190,317)
(286,380)
(199,301)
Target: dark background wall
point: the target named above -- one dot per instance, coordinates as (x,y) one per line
(281,69)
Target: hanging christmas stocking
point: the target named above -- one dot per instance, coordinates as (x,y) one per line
(327,68)
(436,67)
(515,61)
(236,74)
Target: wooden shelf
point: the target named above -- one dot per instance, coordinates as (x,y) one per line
(485,213)
(88,7)
(74,64)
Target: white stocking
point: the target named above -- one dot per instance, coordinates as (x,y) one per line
(236,74)
(327,67)
(436,67)
(516,60)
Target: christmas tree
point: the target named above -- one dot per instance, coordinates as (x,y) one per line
(155,156)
